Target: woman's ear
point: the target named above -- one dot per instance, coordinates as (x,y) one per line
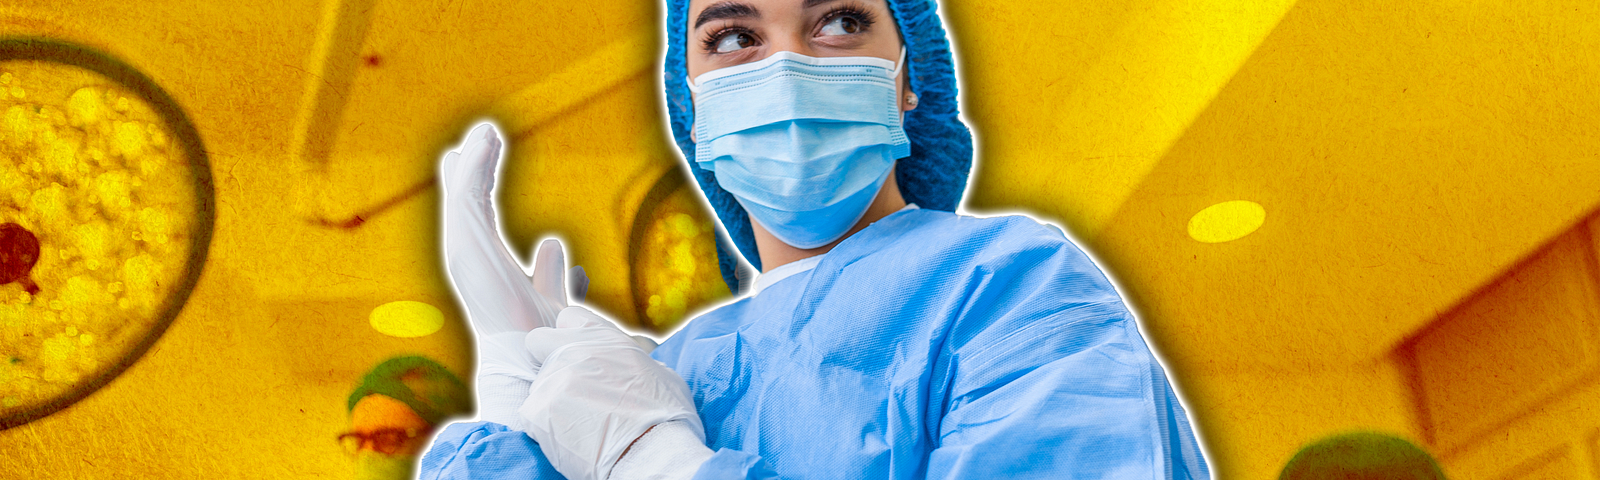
(908,98)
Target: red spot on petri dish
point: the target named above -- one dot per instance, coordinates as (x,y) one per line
(19,251)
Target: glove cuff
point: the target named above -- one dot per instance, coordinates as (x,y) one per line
(670,451)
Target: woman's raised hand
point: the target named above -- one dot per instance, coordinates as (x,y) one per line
(502,302)
(498,294)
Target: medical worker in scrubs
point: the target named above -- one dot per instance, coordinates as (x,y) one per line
(886,336)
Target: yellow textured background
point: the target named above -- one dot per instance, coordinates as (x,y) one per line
(1407,154)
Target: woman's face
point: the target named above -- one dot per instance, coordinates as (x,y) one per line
(724,33)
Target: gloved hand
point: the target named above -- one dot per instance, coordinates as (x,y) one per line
(596,393)
(502,302)
(498,294)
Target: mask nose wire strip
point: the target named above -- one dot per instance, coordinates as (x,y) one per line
(898,64)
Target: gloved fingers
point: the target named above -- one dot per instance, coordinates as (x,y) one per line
(577,284)
(449,173)
(482,146)
(447,165)
(542,344)
(471,168)
(549,272)
(543,341)
(505,353)
(491,159)
(646,343)
(480,153)
(575,324)
(580,317)
(595,399)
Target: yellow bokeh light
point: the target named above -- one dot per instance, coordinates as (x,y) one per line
(1227,221)
(406,319)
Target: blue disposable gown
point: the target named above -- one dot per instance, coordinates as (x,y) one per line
(928,345)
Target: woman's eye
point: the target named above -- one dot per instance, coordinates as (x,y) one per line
(734,41)
(842,26)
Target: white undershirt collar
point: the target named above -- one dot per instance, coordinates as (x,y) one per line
(790,269)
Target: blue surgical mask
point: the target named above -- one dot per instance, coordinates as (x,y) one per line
(803,143)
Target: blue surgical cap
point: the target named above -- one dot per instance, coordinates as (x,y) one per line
(935,174)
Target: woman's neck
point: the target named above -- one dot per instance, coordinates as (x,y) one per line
(774,253)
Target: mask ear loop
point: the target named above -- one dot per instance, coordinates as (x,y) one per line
(899,63)
(911,97)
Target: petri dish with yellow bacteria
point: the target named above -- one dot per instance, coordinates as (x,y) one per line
(673,255)
(105,219)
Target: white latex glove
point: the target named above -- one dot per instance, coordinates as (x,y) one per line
(502,302)
(498,293)
(596,393)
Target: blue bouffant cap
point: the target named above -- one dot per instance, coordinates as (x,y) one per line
(935,174)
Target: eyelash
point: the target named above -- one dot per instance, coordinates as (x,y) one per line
(709,43)
(861,15)
(864,17)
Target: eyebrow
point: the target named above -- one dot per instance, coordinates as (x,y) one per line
(727,10)
(812,3)
(730,9)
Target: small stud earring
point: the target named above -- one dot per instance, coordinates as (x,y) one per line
(911,99)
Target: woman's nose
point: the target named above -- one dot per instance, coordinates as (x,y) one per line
(790,43)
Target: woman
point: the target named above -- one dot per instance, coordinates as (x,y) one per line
(886,337)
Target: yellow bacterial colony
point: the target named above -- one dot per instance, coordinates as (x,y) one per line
(673,273)
(92,172)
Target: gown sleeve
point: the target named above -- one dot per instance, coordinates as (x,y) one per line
(729,464)
(1049,378)
(484,450)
